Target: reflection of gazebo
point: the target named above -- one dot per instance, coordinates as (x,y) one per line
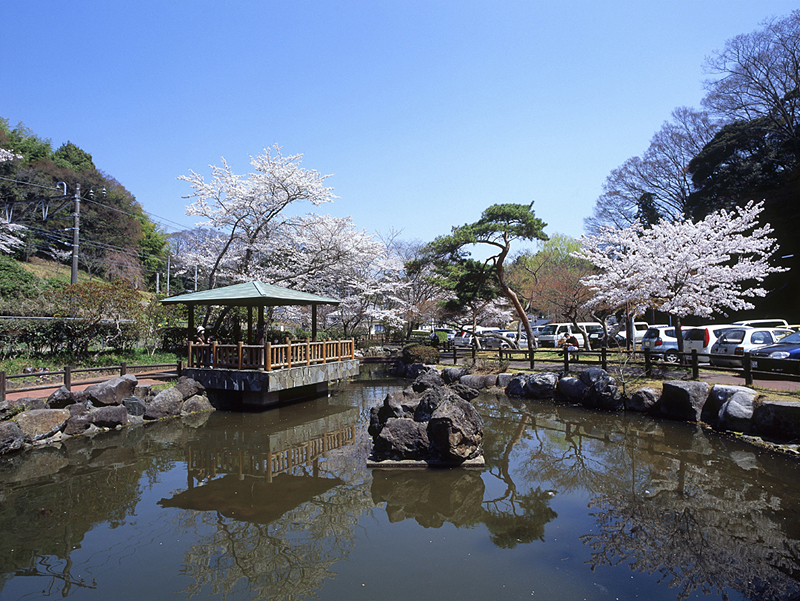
(251,294)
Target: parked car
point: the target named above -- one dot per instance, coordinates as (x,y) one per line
(553,333)
(735,343)
(773,357)
(763,323)
(702,338)
(662,343)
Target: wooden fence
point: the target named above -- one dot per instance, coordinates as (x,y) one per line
(65,377)
(269,356)
(640,358)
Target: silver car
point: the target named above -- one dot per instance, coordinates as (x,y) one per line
(662,342)
(731,347)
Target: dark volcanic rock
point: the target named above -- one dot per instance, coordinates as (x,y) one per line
(110,416)
(455,431)
(111,392)
(37,424)
(402,439)
(428,379)
(779,420)
(643,400)
(135,405)
(11,437)
(189,387)
(683,400)
(166,404)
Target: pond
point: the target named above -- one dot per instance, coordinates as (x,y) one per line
(572,504)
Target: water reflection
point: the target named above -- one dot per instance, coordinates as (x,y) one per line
(702,513)
(280,505)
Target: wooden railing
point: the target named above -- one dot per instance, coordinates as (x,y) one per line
(269,356)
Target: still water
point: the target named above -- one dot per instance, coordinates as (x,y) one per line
(572,504)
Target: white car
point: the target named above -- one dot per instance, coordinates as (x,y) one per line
(734,344)
(702,338)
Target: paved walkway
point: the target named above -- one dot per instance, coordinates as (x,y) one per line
(43,393)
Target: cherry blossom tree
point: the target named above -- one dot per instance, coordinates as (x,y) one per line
(7,240)
(682,268)
(244,210)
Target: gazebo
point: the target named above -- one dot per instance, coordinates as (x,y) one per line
(262,373)
(251,294)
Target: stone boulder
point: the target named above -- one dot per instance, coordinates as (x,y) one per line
(541,385)
(683,400)
(395,405)
(503,379)
(442,428)
(80,419)
(415,369)
(38,424)
(779,420)
(62,398)
(602,391)
(427,379)
(479,381)
(571,389)
(455,431)
(110,416)
(189,387)
(402,438)
(717,397)
(111,392)
(135,405)
(465,392)
(13,406)
(453,374)
(11,437)
(643,400)
(196,404)
(736,413)
(166,404)
(516,386)
(431,400)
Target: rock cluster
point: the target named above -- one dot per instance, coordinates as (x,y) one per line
(723,407)
(112,404)
(429,421)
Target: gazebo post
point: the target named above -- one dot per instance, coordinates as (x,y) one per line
(249,324)
(314,323)
(190,333)
(261,329)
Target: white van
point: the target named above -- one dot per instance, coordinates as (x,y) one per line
(763,323)
(553,332)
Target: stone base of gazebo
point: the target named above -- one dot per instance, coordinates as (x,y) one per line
(262,389)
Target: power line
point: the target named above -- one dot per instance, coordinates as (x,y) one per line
(16,181)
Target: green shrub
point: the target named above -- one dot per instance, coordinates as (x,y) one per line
(420,353)
(15,281)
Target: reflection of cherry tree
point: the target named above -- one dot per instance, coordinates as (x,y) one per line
(662,497)
(289,558)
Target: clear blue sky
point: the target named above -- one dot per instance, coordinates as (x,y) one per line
(424,112)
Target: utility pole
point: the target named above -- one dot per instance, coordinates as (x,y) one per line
(168,258)
(76,220)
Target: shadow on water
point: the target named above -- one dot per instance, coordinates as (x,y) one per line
(280,505)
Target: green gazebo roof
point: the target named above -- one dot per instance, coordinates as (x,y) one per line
(251,294)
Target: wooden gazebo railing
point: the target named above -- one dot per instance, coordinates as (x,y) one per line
(270,356)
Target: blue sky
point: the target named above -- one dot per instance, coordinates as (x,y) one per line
(424,112)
